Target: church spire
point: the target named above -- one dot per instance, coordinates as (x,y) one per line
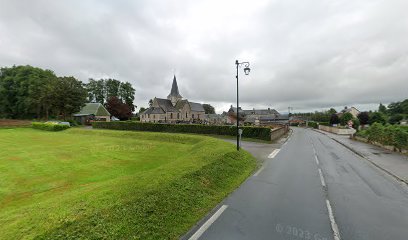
(174,95)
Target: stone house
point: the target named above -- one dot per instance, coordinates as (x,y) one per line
(354,111)
(255,116)
(174,109)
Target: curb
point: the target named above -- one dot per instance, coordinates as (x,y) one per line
(366,158)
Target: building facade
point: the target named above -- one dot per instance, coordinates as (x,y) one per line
(174,109)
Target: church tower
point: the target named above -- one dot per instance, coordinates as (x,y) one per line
(174,95)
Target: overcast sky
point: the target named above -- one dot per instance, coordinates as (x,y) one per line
(309,54)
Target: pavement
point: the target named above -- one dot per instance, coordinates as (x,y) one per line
(310,187)
(393,163)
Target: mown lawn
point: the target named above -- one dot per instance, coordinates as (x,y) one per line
(103,184)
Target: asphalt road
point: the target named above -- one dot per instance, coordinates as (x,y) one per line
(312,188)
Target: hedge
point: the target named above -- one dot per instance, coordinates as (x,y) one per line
(313,124)
(249,132)
(49,126)
(387,135)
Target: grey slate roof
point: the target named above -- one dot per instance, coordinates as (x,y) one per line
(261,111)
(166,105)
(180,104)
(196,107)
(154,110)
(174,89)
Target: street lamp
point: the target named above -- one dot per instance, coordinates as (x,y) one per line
(246,71)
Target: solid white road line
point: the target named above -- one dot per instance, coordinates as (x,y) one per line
(317,160)
(257,172)
(321,177)
(274,153)
(336,233)
(208,223)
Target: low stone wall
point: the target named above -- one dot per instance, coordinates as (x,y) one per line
(277,133)
(340,131)
(387,147)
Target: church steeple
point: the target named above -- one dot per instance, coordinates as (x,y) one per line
(174,95)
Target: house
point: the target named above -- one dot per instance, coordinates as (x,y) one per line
(173,109)
(354,111)
(216,119)
(92,112)
(256,116)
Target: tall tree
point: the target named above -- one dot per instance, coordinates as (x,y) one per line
(363,117)
(70,96)
(112,88)
(208,109)
(377,117)
(96,90)
(127,94)
(345,117)
(142,109)
(334,119)
(332,111)
(25,91)
(118,108)
(382,109)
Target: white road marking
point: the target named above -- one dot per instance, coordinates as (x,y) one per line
(321,177)
(208,223)
(317,160)
(257,172)
(274,153)
(336,233)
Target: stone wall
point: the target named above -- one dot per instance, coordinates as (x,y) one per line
(340,131)
(277,133)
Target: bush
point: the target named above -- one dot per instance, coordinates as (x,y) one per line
(262,133)
(313,124)
(386,135)
(73,123)
(49,126)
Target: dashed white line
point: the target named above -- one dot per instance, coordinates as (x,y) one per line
(274,153)
(321,177)
(317,160)
(260,170)
(208,223)
(336,233)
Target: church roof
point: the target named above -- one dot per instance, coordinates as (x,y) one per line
(154,110)
(180,104)
(196,107)
(174,89)
(166,105)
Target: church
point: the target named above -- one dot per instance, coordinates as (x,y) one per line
(174,109)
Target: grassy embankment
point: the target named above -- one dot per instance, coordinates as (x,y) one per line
(103,184)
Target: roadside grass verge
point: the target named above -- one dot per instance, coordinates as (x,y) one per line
(103,184)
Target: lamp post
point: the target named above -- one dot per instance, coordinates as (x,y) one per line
(246,71)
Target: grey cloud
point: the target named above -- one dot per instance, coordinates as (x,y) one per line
(306,54)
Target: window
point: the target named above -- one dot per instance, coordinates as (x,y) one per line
(192,116)
(178,115)
(198,116)
(171,115)
(186,114)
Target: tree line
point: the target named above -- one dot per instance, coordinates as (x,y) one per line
(391,114)
(28,92)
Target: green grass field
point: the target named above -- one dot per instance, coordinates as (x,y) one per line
(102,184)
